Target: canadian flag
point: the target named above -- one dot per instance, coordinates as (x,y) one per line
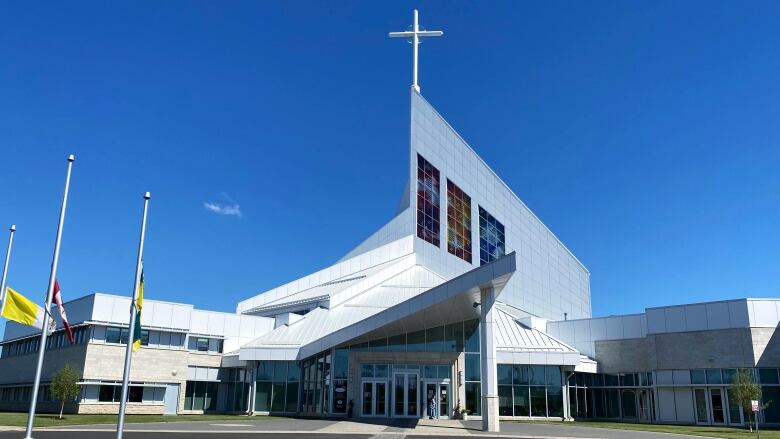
(58,301)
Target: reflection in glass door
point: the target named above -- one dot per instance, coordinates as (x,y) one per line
(700,401)
(716,402)
(374,398)
(440,393)
(405,395)
(735,412)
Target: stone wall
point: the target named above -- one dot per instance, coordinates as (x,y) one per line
(112,408)
(635,354)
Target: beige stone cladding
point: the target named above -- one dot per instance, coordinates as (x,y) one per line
(21,369)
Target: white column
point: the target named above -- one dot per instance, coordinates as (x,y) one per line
(487,351)
(252,385)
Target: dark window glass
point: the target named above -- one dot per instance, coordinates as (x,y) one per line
(199,396)
(415,341)
(536,375)
(553,376)
(434,339)
(277,400)
(767,376)
(519,375)
(294,370)
(713,376)
(458,222)
(124,335)
(397,343)
(728,376)
(491,238)
(627,379)
(189,391)
(698,377)
(291,404)
(538,401)
(629,404)
(203,344)
(341,366)
(473,399)
(611,380)
(453,337)
(472,371)
(379,345)
(134,393)
(113,335)
(427,201)
(265,371)
(504,374)
(522,405)
(280,370)
(505,400)
(106,393)
(471,335)
(771,413)
(263,396)
(555,401)
(144,337)
(613,403)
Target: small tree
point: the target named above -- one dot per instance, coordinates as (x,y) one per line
(64,385)
(745,390)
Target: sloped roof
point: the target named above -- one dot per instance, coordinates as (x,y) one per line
(512,335)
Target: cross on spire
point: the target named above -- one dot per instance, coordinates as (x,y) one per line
(415,34)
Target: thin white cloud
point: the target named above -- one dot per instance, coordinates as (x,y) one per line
(232,209)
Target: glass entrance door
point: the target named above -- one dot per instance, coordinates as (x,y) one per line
(644,405)
(734,411)
(700,402)
(405,395)
(716,402)
(374,398)
(436,400)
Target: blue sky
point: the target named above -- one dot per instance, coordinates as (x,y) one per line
(644,134)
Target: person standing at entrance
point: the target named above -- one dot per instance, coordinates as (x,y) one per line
(432,407)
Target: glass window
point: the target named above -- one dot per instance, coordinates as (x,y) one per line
(505,400)
(471,335)
(767,376)
(106,393)
(367,371)
(555,401)
(728,376)
(713,376)
(434,339)
(553,376)
(536,375)
(278,391)
(538,401)
(629,404)
(189,390)
(522,405)
(134,393)
(458,222)
(473,399)
(113,335)
(262,396)
(397,343)
(473,371)
(265,371)
(427,201)
(611,380)
(144,337)
(294,370)
(202,344)
(379,345)
(453,338)
(504,374)
(491,237)
(613,403)
(280,370)
(415,341)
(520,375)
(381,371)
(291,405)
(430,371)
(444,372)
(199,396)
(698,377)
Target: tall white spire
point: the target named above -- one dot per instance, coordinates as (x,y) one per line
(415,34)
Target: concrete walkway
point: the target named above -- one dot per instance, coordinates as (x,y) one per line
(372,428)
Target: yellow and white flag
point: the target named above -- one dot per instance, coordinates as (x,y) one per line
(21,309)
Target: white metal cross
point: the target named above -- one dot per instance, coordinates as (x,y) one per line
(415,34)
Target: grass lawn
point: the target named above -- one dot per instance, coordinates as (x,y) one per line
(716,432)
(50,420)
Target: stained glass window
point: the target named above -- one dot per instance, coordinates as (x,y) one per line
(491,238)
(427,201)
(458,222)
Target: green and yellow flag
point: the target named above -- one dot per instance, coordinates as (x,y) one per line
(22,310)
(139,303)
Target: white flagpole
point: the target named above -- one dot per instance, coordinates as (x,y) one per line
(5,266)
(120,426)
(49,291)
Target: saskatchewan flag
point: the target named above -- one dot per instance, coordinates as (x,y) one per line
(22,310)
(139,303)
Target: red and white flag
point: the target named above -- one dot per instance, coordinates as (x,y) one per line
(58,301)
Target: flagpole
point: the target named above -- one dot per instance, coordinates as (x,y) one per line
(5,266)
(120,426)
(49,291)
